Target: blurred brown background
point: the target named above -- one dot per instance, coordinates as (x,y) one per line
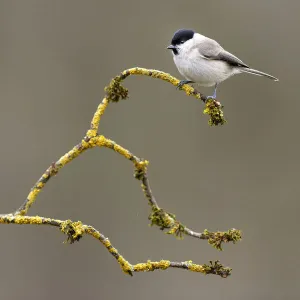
(57,56)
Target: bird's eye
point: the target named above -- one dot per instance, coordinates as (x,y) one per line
(181,42)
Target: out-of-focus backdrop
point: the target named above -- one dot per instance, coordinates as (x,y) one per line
(55,59)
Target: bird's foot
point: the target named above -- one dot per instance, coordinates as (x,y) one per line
(183,82)
(213,97)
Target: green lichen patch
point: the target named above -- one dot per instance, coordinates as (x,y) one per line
(217,269)
(165,220)
(216,239)
(74,230)
(161,218)
(115,91)
(214,110)
(177,229)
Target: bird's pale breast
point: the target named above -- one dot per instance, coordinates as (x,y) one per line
(203,71)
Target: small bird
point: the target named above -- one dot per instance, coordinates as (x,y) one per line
(203,61)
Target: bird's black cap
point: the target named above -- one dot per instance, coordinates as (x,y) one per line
(181,36)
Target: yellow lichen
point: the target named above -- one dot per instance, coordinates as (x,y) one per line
(196,268)
(91,133)
(96,119)
(125,265)
(93,232)
(64,159)
(31,198)
(112,249)
(78,229)
(26,220)
(164,264)
(152,265)
(40,185)
(142,165)
(85,144)
(72,154)
(106,243)
(64,224)
(139,267)
(101,141)
(93,142)
(122,151)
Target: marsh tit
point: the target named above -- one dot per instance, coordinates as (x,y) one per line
(203,61)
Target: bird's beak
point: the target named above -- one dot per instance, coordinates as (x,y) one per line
(171,47)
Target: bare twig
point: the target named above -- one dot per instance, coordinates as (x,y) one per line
(74,230)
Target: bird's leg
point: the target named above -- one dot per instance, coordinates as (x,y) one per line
(215,91)
(214,96)
(183,82)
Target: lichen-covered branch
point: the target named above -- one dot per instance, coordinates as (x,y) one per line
(158,216)
(166,220)
(76,230)
(115,91)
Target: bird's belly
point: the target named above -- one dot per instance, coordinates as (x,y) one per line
(204,72)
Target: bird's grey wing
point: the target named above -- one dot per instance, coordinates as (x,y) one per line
(231,59)
(212,50)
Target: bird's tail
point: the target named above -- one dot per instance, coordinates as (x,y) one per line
(259,73)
